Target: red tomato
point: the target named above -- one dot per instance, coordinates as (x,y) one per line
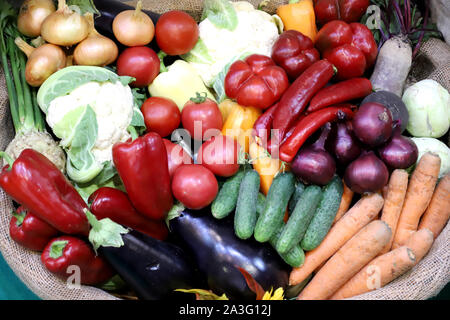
(141,63)
(194,186)
(161,115)
(202,119)
(176,156)
(176,32)
(220,155)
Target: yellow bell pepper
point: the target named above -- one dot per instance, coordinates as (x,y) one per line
(239,123)
(225,108)
(299,15)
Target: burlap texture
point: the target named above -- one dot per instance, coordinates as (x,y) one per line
(423,281)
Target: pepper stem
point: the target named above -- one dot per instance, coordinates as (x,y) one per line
(57,248)
(19,217)
(199,98)
(7,158)
(134,134)
(162,66)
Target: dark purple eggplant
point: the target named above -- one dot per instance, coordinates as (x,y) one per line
(394,103)
(152,268)
(219,253)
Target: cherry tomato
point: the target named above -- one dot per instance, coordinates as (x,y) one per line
(176,32)
(161,115)
(194,186)
(220,155)
(141,63)
(202,118)
(176,156)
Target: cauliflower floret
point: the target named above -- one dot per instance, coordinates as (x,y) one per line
(113,105)
(256,32)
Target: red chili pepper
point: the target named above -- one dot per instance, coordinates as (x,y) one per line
(263,124)
(114,204)
(67,251)
(294,52)
(347,90)
(307,126)
(351,48)
(346,10)
(297,97)
(142,166)
(30,231)
(256,81)
(37,184)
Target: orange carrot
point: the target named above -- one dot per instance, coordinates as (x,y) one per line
(393,202)
(347,197)
(364,211)
(384,191)
(377,273)
(347,261)
(420,190)
(438,212)
(420,243)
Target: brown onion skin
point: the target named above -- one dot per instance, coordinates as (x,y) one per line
(64,27)
(31,15)
(366,174)
(399,152)
(372,124)
(133,27)
(96,49)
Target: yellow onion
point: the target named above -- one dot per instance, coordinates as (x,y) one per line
(95,50)
(64,27)
(42,61)
(31,15)
(133,27)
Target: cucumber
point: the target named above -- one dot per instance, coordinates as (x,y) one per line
(260,203)
(226,199)
(324,216)
(298,222)
(299,188)
(245,214)
(280,191)
(294,257)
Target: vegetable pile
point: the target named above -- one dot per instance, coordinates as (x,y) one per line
(233,158)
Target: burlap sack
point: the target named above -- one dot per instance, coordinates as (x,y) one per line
(423,281)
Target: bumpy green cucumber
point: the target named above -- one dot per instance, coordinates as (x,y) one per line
(245,213)
(226,199)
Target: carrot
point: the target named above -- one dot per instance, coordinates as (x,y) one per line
(393,202)
(420,243)
(364,211)
(377,273)
(438,212)
(347,261)
(384,191)
(347,197)
(418,196)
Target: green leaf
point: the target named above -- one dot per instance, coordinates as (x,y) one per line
(84,5)
(221,13)
(66,80)
(105,232)
(199,54)
(202,294)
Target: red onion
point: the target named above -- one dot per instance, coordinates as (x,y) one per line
(342,143)
(372,124)
(400,152)
(366,174)
(313,164)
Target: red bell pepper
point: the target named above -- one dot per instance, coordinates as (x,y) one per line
(66,251)
(29,231)
(307,126)
(114,204)
(345,10)
(351,48)
(36,183)
(294,52)
(296,98)
(256,81)
(142,166)
(347,90)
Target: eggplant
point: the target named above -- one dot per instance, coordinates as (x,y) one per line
(153,268)
(218,252)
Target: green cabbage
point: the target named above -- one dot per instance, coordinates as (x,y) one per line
(436,146)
